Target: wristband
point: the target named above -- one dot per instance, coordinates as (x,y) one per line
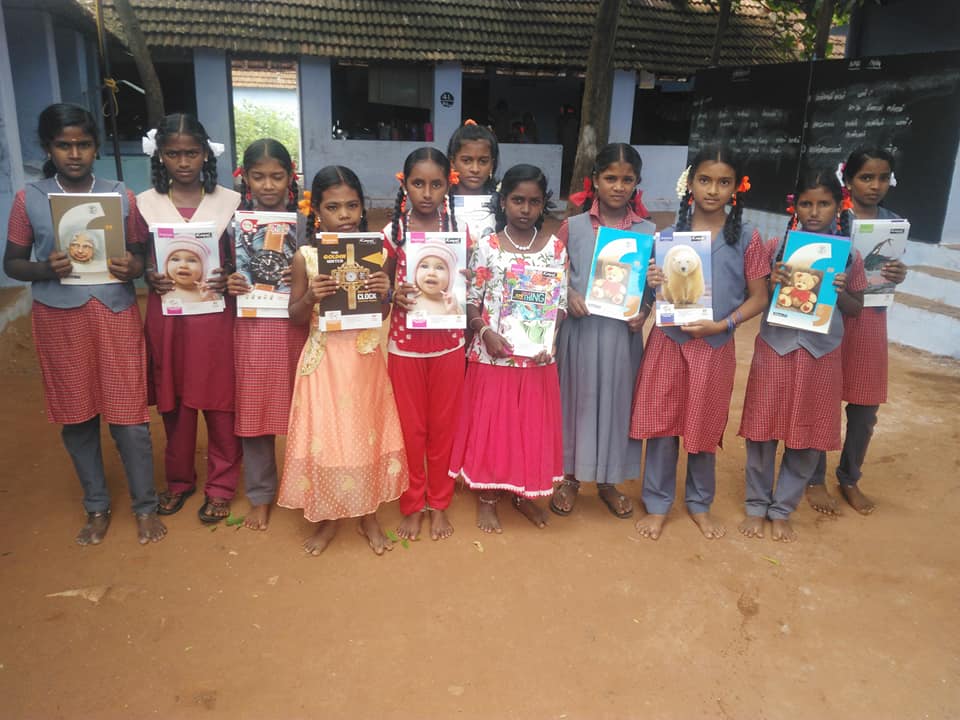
(482,331)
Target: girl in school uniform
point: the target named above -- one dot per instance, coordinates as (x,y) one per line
(345,452)
(425,366)
(263,389)
(686,377)
(598,357)
(88,337)
(793,391)
(509,434)
(191,357)
(867,176)
(474,154)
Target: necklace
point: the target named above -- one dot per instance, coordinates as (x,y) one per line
(518,246)
(439,220)
(56,179)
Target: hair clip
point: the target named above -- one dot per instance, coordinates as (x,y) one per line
(149,142)
(682,182)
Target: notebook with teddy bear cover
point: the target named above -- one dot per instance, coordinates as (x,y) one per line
(809,300)
(618,273)
(686,294)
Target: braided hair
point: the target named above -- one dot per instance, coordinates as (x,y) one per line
(398,226)
(733,225)
(855,162)
(52,122)
(182,124)
(333,176)
(262,149)
(511,178)
(608,155)
(477,133)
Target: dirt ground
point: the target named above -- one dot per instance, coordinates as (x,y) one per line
(581,620)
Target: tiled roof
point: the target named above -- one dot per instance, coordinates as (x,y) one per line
(663,36)
(281,75)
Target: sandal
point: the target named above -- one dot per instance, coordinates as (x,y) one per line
(614,500)
(568,489)
(174,500)
(211,506)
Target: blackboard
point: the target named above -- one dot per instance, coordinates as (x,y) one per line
(758,112)
(909,104)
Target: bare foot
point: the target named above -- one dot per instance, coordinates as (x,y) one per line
(709,526)
(409,527)
(752,526)
(317,543)
(531,511)
(440,527)
(370,529)
(487,518)
(782,531)
(258,516)
(858,501)
(822,501)
(649,525)
(93,532)
(150,528)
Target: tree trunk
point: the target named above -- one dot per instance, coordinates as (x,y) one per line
(597,91)
(141,56)
(723,21)
(824,20)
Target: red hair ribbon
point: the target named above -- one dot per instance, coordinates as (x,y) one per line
(744,185)
(638,206)
(847,203)
(454,177)
(580,198)
(791,204)
(238,172)
(304,205)
(469,121)
(293,167)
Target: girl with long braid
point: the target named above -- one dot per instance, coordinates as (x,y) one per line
(686,377)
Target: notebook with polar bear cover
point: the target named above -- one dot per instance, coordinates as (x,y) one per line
(808,302)
(686,294)
(618,273)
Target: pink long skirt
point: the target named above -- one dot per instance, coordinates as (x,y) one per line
(509,435)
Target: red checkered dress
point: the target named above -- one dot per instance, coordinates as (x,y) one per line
(794,398)
(685,389)
(92,360)
(264,384)
(865,357)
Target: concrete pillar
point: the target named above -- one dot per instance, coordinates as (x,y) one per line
(951,221)
(36,84)
(11,168)
(211,71)
(621,105)
(315,91)
(447,92)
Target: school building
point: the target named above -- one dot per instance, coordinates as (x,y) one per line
(372,80)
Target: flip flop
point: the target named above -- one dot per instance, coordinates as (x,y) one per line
(178,505)
(570,486)
(614,499)
(209,518)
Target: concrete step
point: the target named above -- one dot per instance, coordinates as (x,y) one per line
(926,324)
(933,283)
(944,255)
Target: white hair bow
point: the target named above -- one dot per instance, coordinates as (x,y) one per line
(216,148)
(841,166)
(893,179)
(682,183)
(149,142)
